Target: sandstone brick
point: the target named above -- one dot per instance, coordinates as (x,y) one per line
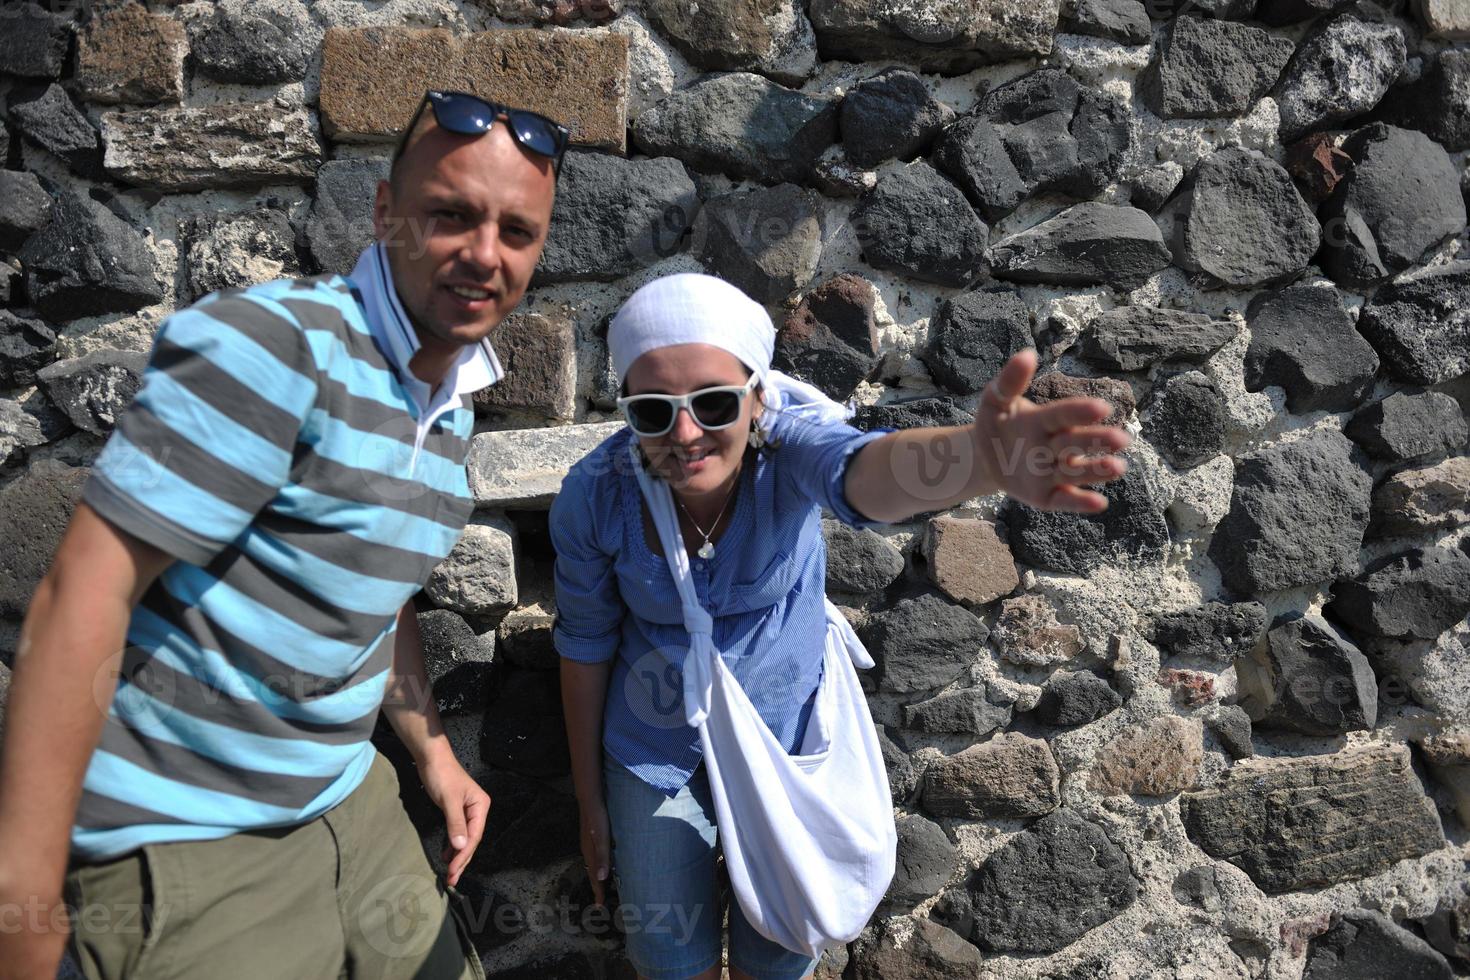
(539,354)
(1027,633)
(1011,775)
(969,560)
(1161,757)
(524,468)
(127,54)
(373,77)
(198,148)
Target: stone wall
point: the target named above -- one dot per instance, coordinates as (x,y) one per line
(1222,730)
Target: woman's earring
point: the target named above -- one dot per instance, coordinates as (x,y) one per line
(757,437)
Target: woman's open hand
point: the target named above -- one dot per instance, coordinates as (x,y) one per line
(1040,454)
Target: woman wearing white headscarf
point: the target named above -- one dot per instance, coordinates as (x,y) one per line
(752,457)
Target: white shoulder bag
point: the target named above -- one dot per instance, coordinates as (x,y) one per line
(809,839)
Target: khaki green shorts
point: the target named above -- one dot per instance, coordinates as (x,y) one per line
(347,895)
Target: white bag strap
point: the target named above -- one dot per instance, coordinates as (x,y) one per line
(698,669)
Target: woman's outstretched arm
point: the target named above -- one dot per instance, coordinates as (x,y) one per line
(1039,454)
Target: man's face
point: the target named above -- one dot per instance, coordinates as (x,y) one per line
(463,222)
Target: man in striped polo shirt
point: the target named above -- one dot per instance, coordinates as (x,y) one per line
(251,539)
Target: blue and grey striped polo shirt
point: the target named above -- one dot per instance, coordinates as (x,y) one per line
(272,451)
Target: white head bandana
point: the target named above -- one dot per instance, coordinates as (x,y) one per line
(693,308)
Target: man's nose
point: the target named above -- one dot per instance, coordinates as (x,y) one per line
(483,248)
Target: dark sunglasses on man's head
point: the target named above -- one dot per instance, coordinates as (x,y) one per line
(712,408)
(468,115)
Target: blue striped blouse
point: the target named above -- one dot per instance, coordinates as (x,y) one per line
(616,599)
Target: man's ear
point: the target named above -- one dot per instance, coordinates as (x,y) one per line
(382,204)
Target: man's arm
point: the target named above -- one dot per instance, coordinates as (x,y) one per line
(409,706)
(65,674)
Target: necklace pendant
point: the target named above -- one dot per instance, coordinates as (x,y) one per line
(706,551)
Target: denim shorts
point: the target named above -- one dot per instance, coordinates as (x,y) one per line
(663,857)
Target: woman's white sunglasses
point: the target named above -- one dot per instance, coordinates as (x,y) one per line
(711,408)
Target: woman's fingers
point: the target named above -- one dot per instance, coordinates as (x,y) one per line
(1012,381)
(1089,440)
(1069,413)
(1070,498)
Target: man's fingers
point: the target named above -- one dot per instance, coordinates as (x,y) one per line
(1012,381)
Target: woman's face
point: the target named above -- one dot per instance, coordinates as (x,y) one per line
(694,461)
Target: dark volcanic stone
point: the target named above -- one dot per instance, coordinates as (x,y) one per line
(923,643)
(1186,422)
(918,223)
(86,262)
(831,338)
(1124,21)
(233,251)
(931,952)
(1341,68)
(95,389)
(1297,515)
(1242,222)
(1049,885)
(1437,103)
(34,511)
(1075,697)
(911,413)
(1406,427)
(1087,244)
(892,114)
(860,561)
(341,221)
(1150,189)
(1207,68)
(733,36)
(24,206)
(1132,338)
(1401,198)
(615,216)
(1279,13)
(766,241)
(254,43)
(458,661)
(1040,132)
(926,859)
(1232,726)
(903,778)
(1420,324)
(1367,945)
(973,335)
(48,118)
(1295,823)
(34,41)
(969,711)
(741,124)
(1216,632)
(1321,684)
(1132,529)
(1303,340)
(25,346)
(1419,593)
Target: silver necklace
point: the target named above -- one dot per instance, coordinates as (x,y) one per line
(707,550)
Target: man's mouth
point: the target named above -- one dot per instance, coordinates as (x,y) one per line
(471,293)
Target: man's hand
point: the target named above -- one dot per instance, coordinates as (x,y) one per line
(1039,454)
(465,807)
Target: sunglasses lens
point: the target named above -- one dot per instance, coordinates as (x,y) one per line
(536,133)
(716,408)
(463,114)
(649,416)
